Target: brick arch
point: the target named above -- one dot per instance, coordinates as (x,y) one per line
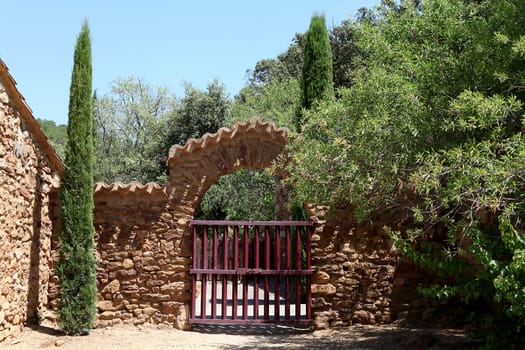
(194,167)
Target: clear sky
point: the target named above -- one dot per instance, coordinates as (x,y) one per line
(165,42)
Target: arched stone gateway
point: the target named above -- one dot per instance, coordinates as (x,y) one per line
(198,164)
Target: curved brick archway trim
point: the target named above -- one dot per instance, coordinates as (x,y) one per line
(198,164)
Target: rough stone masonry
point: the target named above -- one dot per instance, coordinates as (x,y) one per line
(29,178)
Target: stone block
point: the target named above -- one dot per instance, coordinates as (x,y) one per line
(127,264)
(126,316)
(106,315)
(324,319)
(155,297)
(319,302)
(320,277)
(170,307)
(126,273)
(137,322)
(117,322)
(173,287)
(153,282)
(323,289)
(150,311)
(363,317)
(112,287)
(108,305)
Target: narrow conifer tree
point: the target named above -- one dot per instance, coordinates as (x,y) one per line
(317,84)
(317,81)
(76,266)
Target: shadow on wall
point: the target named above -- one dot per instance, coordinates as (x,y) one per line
(33,290)
(360,277)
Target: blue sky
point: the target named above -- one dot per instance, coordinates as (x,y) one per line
(164,42)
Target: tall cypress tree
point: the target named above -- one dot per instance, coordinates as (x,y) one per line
(317,82)
(76,266)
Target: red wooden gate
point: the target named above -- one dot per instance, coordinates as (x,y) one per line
(251,272)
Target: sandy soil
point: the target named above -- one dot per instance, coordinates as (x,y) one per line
(243,337)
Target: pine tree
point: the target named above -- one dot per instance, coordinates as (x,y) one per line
(317,76)
(76,266)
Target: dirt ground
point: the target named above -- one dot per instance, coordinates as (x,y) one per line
(243,337)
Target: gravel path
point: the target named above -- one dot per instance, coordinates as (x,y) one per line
(237,337)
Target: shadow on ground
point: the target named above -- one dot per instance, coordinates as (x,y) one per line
(266,330)
(356,338)
(46,330)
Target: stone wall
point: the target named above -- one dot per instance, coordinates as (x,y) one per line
(142,266)
(28,183)
(358,276)
(143,243)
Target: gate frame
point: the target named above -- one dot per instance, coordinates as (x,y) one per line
(245,271)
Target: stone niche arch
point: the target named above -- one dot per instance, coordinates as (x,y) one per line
(194,167)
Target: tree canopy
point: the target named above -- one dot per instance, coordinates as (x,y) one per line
(435,109)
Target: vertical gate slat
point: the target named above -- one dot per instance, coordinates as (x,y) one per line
(235,267)
(277,282)
(298,264)
(225,267)
(204,281)
(245,278)
(215,251)
(309,267)
(287,277)
(267,267)
(255,277)
(193,276)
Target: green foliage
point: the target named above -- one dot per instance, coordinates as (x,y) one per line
(275,102)
(198,113)
(246,194)
(344,52)
(56,134)
(317,75)
(129,129)
(434,113)
(136,124)
(355,147)
(76,265)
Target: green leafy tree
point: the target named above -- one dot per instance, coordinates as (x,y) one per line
(76,266)
(199,112)
(317,75)
(434,115)
(273,90)
(344,52)
(129,128)
(136,124)
(246,194)
(276,101)
(57,135)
